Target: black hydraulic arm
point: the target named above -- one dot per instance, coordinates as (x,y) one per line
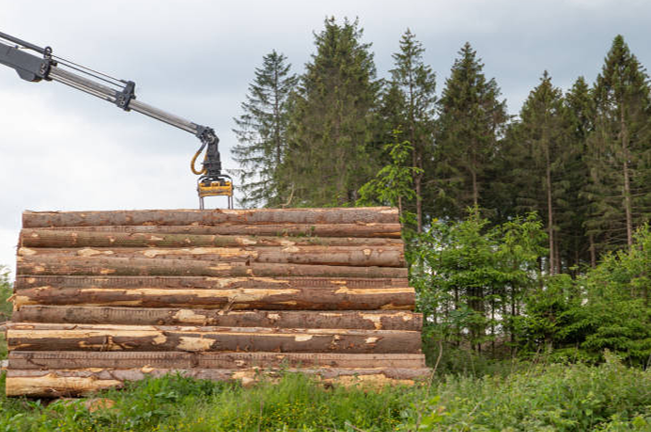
(15,53)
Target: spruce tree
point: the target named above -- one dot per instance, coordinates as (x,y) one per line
(470,122)
(579,246)
(540,158)
(333,119)
(619,149)
(415,84)
(393,184)
(262,131)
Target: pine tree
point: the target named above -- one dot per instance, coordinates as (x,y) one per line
(415,84)
(470,122)
(333,149)
(262,132)
(539,160)
(391,112)
(619,149)
(579,247)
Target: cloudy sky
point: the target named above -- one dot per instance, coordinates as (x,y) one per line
(64,150)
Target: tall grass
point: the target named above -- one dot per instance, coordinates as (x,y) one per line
(5,293)
(610,397)
(5,306)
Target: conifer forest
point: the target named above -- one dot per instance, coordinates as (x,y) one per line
(525,234)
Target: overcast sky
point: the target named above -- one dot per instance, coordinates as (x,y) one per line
(61,149)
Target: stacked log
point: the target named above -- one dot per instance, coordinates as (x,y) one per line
(105,297)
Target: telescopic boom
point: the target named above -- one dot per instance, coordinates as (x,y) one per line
(30,67)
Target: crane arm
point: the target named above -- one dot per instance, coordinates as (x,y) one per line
(30,67)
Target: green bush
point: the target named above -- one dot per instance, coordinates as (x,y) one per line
(549,398)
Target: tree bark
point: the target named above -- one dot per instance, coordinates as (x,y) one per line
(49,238)
(362,320)
(211,217)
(550,213)
(593,252)
(225,299)
(103,337)
(475,184)
(355,230)
(628,206)
(365,256)
(206,360)
(98,266)
(197,282)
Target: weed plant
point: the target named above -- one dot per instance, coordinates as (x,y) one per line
(609,397)
(5,292)
(5,306)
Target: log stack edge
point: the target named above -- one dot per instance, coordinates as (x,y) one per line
(105,297)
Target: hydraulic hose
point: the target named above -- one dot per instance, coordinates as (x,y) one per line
(194,160)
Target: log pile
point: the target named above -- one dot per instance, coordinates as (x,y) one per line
(104,297)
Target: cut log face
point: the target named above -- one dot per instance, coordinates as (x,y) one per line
(104,297)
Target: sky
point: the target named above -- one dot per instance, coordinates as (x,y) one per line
(61,149)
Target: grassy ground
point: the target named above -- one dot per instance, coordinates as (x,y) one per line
(610,397)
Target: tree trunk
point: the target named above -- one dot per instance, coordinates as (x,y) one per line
(224,299)
(103,337)
(550,211)
(356,319)
(473,172)
(628,206)
(211,217)
(197,282)
(30,360)
(357,256)
(419,204)
(352,230)
(44,237)
(98,266)
(593,252)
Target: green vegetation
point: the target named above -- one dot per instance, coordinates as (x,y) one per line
(5,293)
(262,132)
(610,397)
(332,149)
(480,287)
(5,306)
(472,278)
(527,239)
(468,127)
(411,106)
(579,157)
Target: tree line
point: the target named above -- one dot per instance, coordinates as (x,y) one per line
(524,231)
(581,158)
